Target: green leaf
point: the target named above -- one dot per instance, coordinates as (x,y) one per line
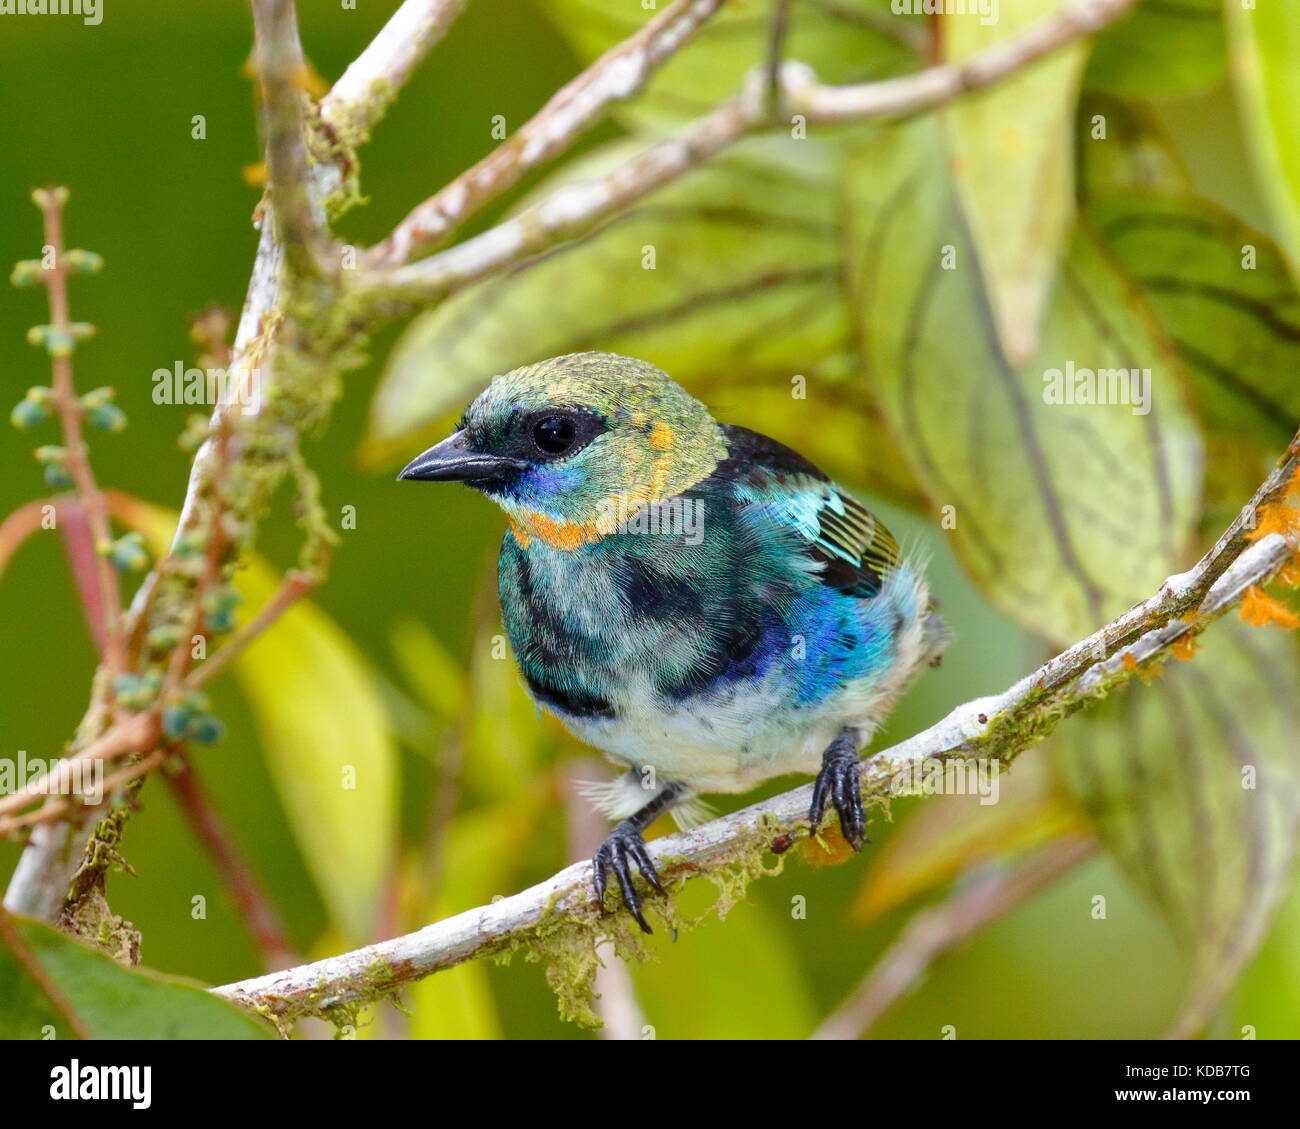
(327,742)
(325,735)
(1123,144)
(1065,513)
(1225,299)
(112,1001)
(843,40)
(1194,785)
(1265,54)
(1169,47)
(1012,161)
(733,269)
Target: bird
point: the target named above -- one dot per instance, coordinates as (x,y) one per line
(692,598)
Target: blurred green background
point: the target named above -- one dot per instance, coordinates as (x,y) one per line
(107,111)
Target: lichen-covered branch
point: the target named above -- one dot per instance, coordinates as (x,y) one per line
(574,209)
(619,74)
(365,90)
(560,914)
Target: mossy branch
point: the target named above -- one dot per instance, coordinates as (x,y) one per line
(559,921)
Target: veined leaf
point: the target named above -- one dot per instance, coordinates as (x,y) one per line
(1225,299)
(736,267)
(1170,47)
(1012,161)
(1194,785)
(1121,144)
(1265,54)
(112,1001)
(325,735)
(843,40)
(1066,509)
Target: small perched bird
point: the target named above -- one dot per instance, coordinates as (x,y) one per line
(692,598)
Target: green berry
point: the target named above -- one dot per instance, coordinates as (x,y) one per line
(78,261)
(205,729)
(28,414)
(107,417)
(128,553)
(163,639)
(175,722)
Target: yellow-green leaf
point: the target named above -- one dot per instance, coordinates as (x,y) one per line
(1194,785)
(1264,42)
(843,40)
(1065,511)
(112,1002)
(1013,164)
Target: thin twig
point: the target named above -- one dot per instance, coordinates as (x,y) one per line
(619,74)
(295,586)
(933,931)
(36,973)
(282,77)
(989,727)
(616,998)
(251,902)
(574,209)
(51,203)
(134,733)
(358,100)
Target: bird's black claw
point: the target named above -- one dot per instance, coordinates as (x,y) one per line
(624,847)
(840,781)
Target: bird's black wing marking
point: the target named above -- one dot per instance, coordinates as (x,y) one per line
(852,544)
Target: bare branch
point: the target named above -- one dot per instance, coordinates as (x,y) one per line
(575,209)
(282,78)
(619,74)
(989,727)
(365,90)
(252,904)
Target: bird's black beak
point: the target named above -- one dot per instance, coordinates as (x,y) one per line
(448,461)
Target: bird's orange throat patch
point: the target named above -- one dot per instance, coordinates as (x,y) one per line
(659,466)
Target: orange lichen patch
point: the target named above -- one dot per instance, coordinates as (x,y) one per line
(661,437)
(1130,663)
(1184,647)
(1276,517)
(1259,609)
(829,849)
(1289,573)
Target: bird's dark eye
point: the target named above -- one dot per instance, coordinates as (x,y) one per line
(554,434)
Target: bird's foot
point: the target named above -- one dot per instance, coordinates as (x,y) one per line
(624,847)
(840,781)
